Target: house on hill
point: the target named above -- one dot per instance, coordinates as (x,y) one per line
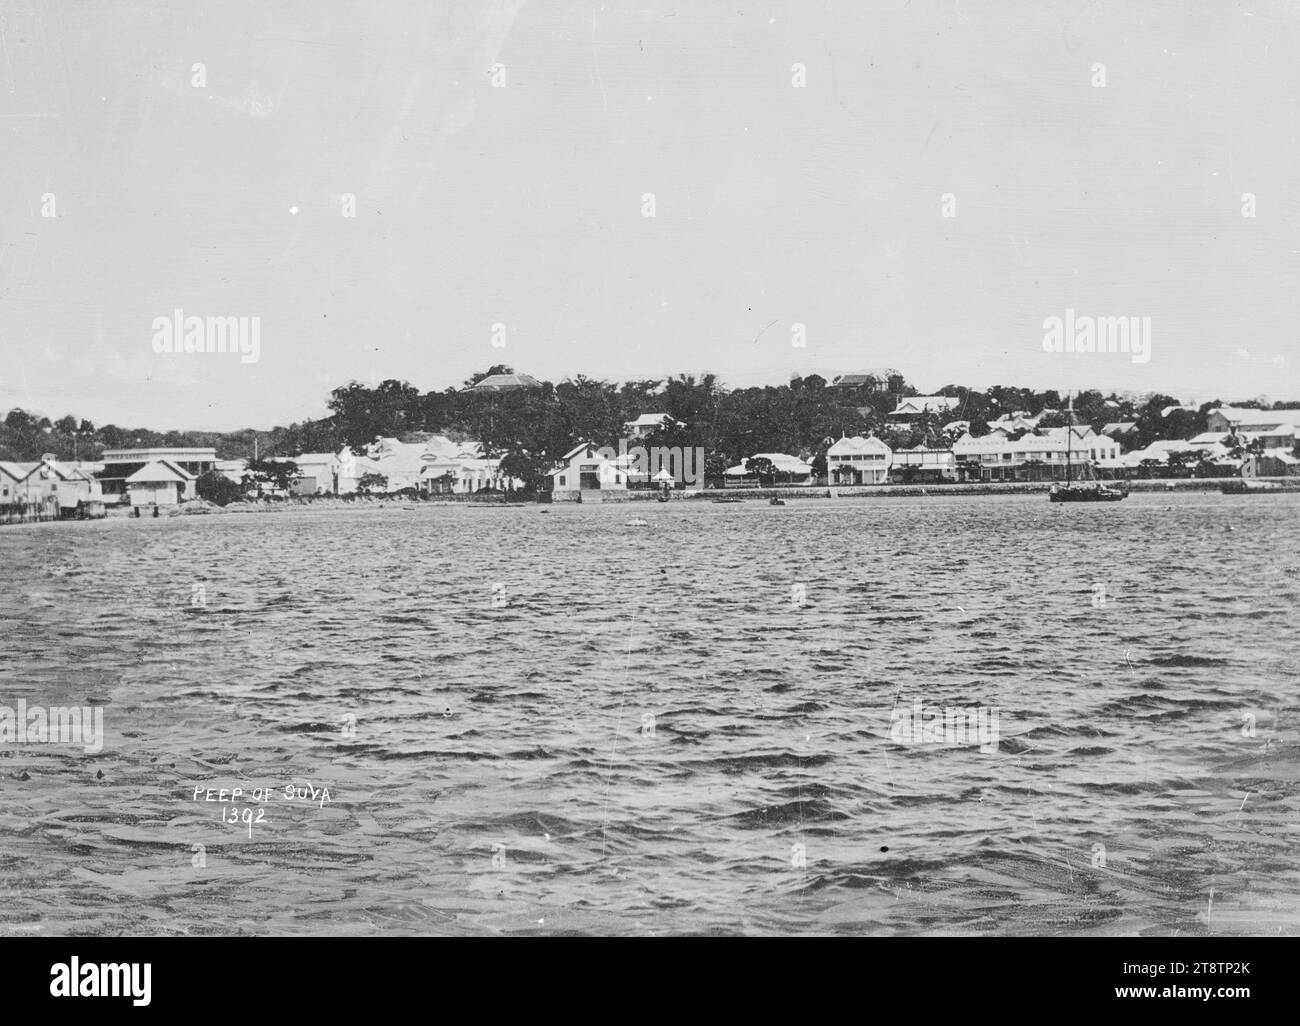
(910,408)
(505,382)
(647,424)
(877,379)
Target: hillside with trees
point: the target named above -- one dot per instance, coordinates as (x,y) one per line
(532,427)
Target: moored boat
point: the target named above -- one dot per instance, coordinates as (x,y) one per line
(1080,491)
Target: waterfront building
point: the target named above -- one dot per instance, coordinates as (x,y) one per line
(120,464)
(1278,463)
(318,473)
(464,473)
(159,483)
(923,465)
(400,463)
(12,475)
(586,474)
(858,461)
(790,470)
(1039,456)
(49,488)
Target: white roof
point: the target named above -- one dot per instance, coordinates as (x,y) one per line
(857,444)
(924,403)
(1161,449)
(996,443)
(1254,418)
(593,453)
(784,463)
(648,420)
(155,472)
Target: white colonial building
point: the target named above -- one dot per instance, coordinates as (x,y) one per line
(160,483)
(929,464)
(1032,457)
(789,470)
(858,460)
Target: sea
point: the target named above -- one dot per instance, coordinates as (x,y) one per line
(732,719)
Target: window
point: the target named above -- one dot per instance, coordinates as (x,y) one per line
(561,479)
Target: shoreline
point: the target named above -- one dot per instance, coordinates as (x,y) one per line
(328,503)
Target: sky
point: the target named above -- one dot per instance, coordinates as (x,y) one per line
(185,155)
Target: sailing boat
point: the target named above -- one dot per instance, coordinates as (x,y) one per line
(1094,491)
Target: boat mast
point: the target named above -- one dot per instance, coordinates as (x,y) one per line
(1069,438)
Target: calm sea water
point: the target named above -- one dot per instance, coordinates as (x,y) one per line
(542,720)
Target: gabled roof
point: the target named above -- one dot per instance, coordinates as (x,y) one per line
(857,444)
(924,404)
(1254,419)
(1121,427)
(877,375)
(650,420)
(18,471)
(580,447)
(784,463)
(1159,450)
(1058,434)
(156,472)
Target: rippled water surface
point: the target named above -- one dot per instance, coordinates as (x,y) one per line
(543,720)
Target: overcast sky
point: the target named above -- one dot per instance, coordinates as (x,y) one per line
(522,205)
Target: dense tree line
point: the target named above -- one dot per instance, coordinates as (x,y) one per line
(531,428)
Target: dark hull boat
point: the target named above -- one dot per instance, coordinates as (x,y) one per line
(1080,491)
(1085,493)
